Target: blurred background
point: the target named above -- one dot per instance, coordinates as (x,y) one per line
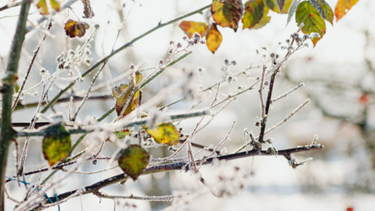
(339,80)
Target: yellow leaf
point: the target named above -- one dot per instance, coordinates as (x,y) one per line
(213,38)
(55,5)
(42,4)
(56,144)
(165,134)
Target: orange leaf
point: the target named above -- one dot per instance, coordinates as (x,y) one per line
(342,7)
(75,28)
(213,38)
(42,4)
(189,27)
(87,10)
(227,13)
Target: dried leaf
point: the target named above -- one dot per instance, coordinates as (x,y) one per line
(123,93)
(189,27)
(87,10)
(310,17)
(165,134)
(75,28)
(213,38)
(342,7)
(227,13)
(254,11)
(133,160)
(42,4)
(56,144)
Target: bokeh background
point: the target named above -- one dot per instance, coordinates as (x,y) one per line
(339,78)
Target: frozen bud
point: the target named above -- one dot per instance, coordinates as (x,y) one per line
(277,56)
(171,42)
(287,41)
(88,46)
(161,62)
(203,42)
(191,42)
(43,71)
(179,45)
(185,38)
(170,51)
(96,26)
(132,66)
(296,35)
(196,35)
(87,62)
(233,62)
(272,55)
(230,78)
(266,83)
(71,52)
(257,123)
(226,61)
(313,35)
(305,37)
(284,47)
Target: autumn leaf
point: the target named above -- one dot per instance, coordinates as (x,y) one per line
(254,11)
(274,5)
(227,13)
(324,9)
(123,93)
(165,133)
(75,28)
(56,144)
(55,5)
(42,4)
(213,38)
(87,10)
(310,17)
(342,7)
(190,27)
(133,160)
(264,21)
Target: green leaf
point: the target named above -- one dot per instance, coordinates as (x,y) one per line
(325,10)
(213,38)
(310,17)
(342,7)
(133,160)
(165,134)
(56,144)
(292,10)
(274,5)
(227,13)
(42,4)
(189,27)
(123,93)
(254,11)
(264,21)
